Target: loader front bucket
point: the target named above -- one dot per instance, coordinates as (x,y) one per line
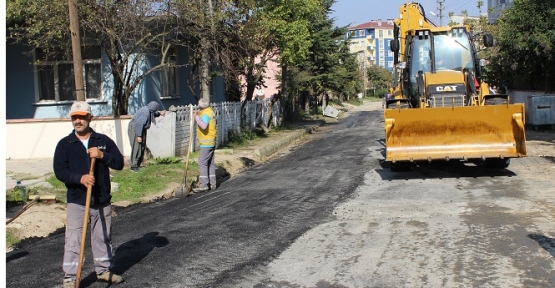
(469,132)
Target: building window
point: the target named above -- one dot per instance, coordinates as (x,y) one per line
(168,75)
(389,32)
(380,33)
(361,33)
(389,64)
(56,80)
(381,45)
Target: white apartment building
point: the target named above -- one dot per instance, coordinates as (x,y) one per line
(495,7)
(370,41)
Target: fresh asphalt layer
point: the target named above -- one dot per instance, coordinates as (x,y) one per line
(217,239)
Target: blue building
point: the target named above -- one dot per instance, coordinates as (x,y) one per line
(370,41)
(36,91)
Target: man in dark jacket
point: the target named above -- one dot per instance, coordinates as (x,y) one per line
(137,131)
(72,160)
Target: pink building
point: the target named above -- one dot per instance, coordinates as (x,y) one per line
(273,70)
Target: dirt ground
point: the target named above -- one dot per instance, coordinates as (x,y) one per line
(41,219)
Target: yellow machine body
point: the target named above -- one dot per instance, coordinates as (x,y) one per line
(475,132)
(444,113)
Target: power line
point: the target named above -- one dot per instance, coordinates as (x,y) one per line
(459,6)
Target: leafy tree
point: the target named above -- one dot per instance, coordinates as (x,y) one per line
(523,57)
(289,22)
(379,77)
(330,68)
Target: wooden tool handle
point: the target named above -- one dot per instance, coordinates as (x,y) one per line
(85,223)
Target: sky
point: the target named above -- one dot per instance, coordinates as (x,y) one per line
(354,12)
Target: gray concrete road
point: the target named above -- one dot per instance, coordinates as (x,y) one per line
(328,214)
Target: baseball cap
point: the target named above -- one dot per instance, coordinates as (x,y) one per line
(80,108)
(203,103)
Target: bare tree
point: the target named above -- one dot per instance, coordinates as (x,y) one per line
(129,32)
(149,29)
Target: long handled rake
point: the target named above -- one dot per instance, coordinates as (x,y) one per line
(184,191)
(85,224)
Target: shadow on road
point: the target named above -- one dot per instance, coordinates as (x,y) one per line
(132,252)
(442,170)
(545,242)
(16,255)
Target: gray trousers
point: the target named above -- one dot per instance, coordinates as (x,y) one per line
(101,238)
(206,167)
(137,149)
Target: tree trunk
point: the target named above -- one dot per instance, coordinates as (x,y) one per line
(306,100)
(119,99)
(204,71)
(284,94)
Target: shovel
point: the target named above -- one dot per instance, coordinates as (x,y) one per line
(184,190)
(85,223)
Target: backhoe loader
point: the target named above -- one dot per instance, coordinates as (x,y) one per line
(441,109)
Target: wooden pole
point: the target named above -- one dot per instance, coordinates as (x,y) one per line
(76,49)
(85,224)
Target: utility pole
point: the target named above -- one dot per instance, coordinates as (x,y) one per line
(76,49)
(440,9)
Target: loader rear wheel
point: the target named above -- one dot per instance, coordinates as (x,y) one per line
(400,166)
(498,163)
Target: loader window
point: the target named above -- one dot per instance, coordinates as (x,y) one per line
(419,60)
(453,51)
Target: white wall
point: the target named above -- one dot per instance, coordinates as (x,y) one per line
(32,138)
(28,139)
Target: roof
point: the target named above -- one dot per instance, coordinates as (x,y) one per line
(373,25)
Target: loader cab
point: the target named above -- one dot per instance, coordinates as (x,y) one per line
(429,51)
(452,50)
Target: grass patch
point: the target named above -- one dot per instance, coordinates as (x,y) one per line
(131,186)
(167,160)
(355,101)
(373,99)
(242,138)
(149,180)
(23,176)
(11,238)
(57,184)
(284,127)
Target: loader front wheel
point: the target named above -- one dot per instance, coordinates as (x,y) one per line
(498,163)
